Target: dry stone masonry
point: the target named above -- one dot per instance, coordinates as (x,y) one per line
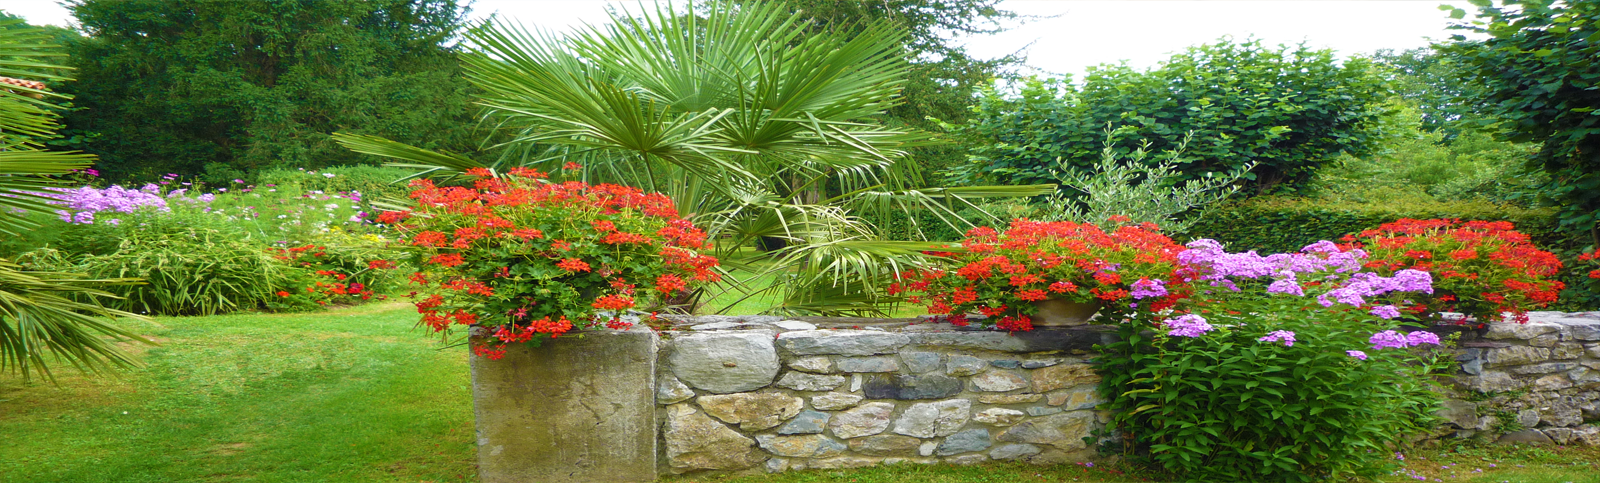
(759,393)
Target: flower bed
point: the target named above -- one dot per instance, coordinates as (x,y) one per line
(1481,268)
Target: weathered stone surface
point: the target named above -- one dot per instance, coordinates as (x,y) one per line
(1063,376)
(1593,350)
(1530,330)
(1582,329)
(961,365)
(814,364)
(927,420)
(697,442)
(1039,339)
(868,364)
(927,447)
(1515,355)
(794,325)
(718,326)
(967,459)
(807,422)
(1009,398)
(835,401)
(1042,411)
(998,381)
(1013,451)
(921,362)
(1491,381)
(906,386)
(1006,363)
(552,413)
(1552,382)
(865,420)
(751,411)
(843,462)
(1528,418)
(1039,363)
(807,446)
(998,416)
(724,362)
(1080,397)
(1064,431)
(1560,415)
(1558,435)
(1586,434)
(965,442)
(1566,350)
(777,465)
(1463,414)
(1525,436)
(1584,377)
(801,381)
(670,391)
(1546,368)
(885,445)
(842,342)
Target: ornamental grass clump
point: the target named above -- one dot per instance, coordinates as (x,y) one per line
(1481,268)
(530,259)
(1002,274)
(1284,367)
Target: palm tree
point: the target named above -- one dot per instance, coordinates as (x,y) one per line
(45,317)
(759,130)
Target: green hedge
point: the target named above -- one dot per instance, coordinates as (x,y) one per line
(1284,224)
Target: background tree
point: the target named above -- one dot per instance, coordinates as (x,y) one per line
(1541,84)
(1287,109)
(227,88)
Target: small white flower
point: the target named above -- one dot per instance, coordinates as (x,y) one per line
(328,175)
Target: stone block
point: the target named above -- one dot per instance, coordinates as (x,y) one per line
(906,386)
(1545,368)
(843,462)
(574,409)
(1039,363)
(998,381)
(865,420)
(1080,397)
(868,364)
(807,446)
(1463,414)
(752,411)
(1064,431)
(801,381)
(1006,363)
(1063,376)
(967,460)
(998,416)
(794,325)
(1582,329)
(814,364)
(1560,415)
(807,422)
(1009,398)
(724,362)
(1515,331)
(835,401)
(1553,382)
(1526,436)
(885,445)
(1528,418)
(669,390)
(1490,381)
(964,442)
(927,420)
(1566,350)
(921,362)
(697,442)
(1013,451)
(962,365)
(1042,411)
(1558,435)
(1515,355)
(841,342)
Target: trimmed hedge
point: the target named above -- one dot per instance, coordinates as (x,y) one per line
(1284,224)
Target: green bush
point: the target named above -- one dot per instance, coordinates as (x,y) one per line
(373,182)
(197,271)
(925,225)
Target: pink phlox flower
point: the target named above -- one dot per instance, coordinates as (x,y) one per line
(1284,336)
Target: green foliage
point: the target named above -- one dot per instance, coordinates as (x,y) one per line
(193,271)
(1283,224)
(1469,166)
(1541,84)
(1288,109)
(228,88)
(1226,406)
(1144,192)
(373,182)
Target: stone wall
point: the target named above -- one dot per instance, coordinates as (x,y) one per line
(1538,382)
(754,393)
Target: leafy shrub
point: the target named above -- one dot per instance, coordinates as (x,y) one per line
(1276,381)
(537,259)
(1140,190)
(196,271)
(372,182)
(1278,224)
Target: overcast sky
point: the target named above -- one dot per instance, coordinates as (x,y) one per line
(1078,33)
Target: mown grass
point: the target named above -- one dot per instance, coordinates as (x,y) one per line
(356,395)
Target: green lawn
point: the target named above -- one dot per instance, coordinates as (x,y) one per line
(356,395)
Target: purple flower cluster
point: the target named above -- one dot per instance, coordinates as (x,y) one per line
(1318,258)
(1358,355)
(1284,336)
(1145,288)
(1368,284)
(1392,339)
(82,204)
(1188,325)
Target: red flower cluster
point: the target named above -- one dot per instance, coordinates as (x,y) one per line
(328,283)
(1481,268)
(1002,274)
(533,258)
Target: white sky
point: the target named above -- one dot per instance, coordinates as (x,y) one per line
(1080,33)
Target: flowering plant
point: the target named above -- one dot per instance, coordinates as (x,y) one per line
(338,276)
(1001,274)
(1481,268)
(1286,367)
(529,258)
